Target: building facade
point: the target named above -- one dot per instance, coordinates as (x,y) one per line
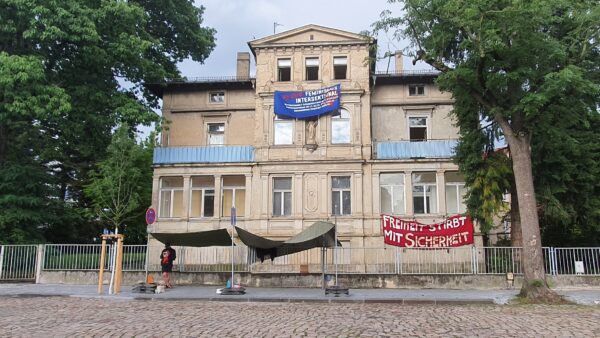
(386,150)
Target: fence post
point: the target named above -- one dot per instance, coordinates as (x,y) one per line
(474,260)
(39,260)
(553,262)
(1,259)
(182,259)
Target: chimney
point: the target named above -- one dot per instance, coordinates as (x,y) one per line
(398,61)
(243,65)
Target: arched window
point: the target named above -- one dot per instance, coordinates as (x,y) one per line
(340,126)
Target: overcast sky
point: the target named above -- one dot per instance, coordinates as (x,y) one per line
(240,21)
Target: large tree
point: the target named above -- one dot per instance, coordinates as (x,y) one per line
(89,59)
(510,62)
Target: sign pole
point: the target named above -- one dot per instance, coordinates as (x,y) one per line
(233,221)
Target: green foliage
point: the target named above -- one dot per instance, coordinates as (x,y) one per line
(70,72)
(120,183)
(529,69)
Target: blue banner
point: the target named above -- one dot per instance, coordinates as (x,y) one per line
(307,104)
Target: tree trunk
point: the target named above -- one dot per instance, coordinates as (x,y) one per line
(535,287)
(516,236)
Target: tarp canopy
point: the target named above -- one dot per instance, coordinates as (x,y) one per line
(320,234)
(219,237)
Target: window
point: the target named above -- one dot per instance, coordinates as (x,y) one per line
(340,127)
(417,128)
(284,70)
(391,187)
(424,193)
(340,67)
(203,197)
(455,193)
(234,194)
(216,134)
(282,196)
(171,197)
(312,69)
(283,129)
(217,97)
(416,90)
(340,195)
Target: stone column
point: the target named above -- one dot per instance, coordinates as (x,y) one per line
(185,199)
(248,199)
(218,192)
(441,191)
(409,193)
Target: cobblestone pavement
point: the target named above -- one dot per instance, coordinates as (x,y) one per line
(96,317)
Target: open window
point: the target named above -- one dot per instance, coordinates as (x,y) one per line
(202,196)
(284,70)
(424,193)
(312,69)
(340,67)
(417,128)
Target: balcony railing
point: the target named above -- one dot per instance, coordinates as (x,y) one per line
(207,154)
(395,150)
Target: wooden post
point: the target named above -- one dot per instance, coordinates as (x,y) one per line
(119,265)
(101,271)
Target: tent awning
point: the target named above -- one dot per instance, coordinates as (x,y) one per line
(219,237)
(320,234)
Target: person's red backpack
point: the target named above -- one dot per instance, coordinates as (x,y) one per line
(165,259)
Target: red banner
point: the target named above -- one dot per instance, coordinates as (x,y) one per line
(454,231)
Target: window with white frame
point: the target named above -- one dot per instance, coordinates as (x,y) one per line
(391,187)
(234,194)
(202,201)
(216,134)
(312,68)
(171,197)
(340,126)
(216,97)
(284,70)
(455,193)
(416,90)
(417,128)
(340,195)
(340,67)
(282,196)
(283,129)
(424,193)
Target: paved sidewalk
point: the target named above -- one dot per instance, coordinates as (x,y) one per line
(587,296)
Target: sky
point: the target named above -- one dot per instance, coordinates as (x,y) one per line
(240,21)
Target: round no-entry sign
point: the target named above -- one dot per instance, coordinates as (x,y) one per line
(150,216)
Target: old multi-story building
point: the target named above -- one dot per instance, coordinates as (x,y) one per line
(386,150)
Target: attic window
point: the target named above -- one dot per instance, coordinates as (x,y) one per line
(284,70)
(312,69)
(340,67)
(416,90)
(311,37)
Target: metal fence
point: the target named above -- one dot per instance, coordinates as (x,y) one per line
(18,262)
(23,262)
